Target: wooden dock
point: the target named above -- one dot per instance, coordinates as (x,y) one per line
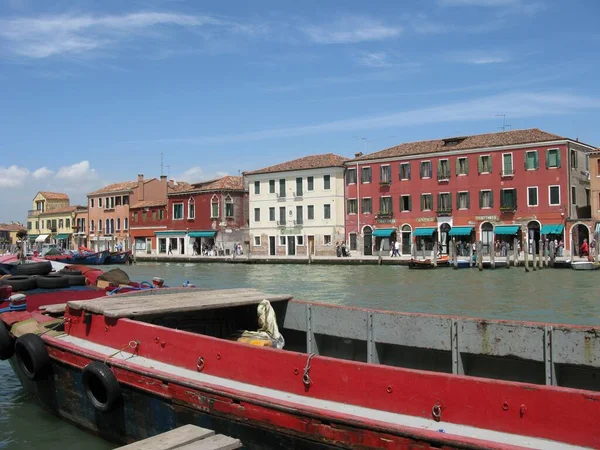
(187,437)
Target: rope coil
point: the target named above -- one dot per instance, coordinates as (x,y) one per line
(131,344)
(306,377)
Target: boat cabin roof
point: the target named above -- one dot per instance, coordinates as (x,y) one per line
(163,301)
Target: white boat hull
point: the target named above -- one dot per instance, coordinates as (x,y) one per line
(584,265)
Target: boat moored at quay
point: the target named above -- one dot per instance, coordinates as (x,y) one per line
(134,365)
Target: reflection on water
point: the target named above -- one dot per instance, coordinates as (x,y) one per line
(563,296)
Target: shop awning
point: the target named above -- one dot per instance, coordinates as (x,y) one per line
(460,231)
(62,236)
(506,230)
(383,232)
(552,229)
(424,231)
(169,233)
(32,236)
(41,238)
(202,234)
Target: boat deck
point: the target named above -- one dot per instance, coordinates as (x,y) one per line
(187,437)
(159,302)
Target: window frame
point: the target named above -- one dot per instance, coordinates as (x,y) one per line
(325,207)
(573,195)
(391,203)
(191,208)
(514,189)
(443,176)
(512,163)
(370,171)
(330,240)
(574,159)
(421,164)
(300,240)
(274,215)
(300,184)
(385,168)
(257,187)
(364,210)
(182,211)
(458,197)
(355,201)
(256,214)
(537,196)
(458,160)
(426,194)
(491,199)
(536,159)
(214,200)
(327,185)
(310,184)
(550,195)
(254,244)
(229,203)
(557,150)
(447,195)
(402,197)
(348,171)
(310,211)
(484,172)
(407,172)
(272,189)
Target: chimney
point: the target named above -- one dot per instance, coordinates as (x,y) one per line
(358,154)
(140,196)
(164,185)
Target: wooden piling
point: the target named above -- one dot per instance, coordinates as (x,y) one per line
(526,259)
(545,258)
(455,253)
(533,259)
(596,251)
(492,257)
(423,248)
(515,252)
(480,255)
(413,250)
(541,254)
(552,251)
(470,254)
(507,258)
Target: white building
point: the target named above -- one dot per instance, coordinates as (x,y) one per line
(297,207)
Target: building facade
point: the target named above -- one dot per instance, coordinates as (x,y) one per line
(297,207)
(38,229)
(205,218)
(80,237)
(594,169)
(520,184)
(147,218)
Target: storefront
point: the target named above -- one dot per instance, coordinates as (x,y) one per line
(383,238)
(63,240)
(464,237)
(505,237)
(202,242)
(171,242)
(424,238)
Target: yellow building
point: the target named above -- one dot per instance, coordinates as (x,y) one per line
(51,218)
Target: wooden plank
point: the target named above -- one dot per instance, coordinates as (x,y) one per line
(54,309)
(217,442)
(182,436)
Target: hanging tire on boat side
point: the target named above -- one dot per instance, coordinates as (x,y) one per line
(38,268)
(52,281)
(101,386)
(32,356)
(7,342)
(70,272)
(76,280)
(20,282)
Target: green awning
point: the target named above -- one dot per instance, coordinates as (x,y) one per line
(383,232)
(460,231)
(507,230)
(424,231)
(32,236)
(552,229)
(202,234)
(169,233)
(62,236)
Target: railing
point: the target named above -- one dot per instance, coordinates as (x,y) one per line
(33,212)
(385,182)
(444,211)
(443,176)
(508,208)
(384,215)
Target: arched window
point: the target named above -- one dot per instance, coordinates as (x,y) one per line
(118,223)
(191,208)
(100,225)
(228,206)
(214,207)
(60,223)
(126,223)
(68,223)
(107,227)
(92,226)
(112,226)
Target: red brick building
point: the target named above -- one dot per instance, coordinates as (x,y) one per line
(210,215)
(488,187)
(147,218)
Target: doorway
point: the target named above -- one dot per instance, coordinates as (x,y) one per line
(272,245)
(181,246)
(444,230)
(311,245)
(368,241)
(291,245)
(149,246)
(578,233)
(533,236)
(487,237)
(406,239)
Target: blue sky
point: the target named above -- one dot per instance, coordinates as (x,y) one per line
(93,92)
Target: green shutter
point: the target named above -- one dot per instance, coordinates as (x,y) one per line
(422,202)
(439,169)
(480,199)
(491,171)
(410,202)
(408,171)
(468,200)
(456,161)
(466,166)
(558,158)
(439,207)
(515,198)
(450,201)
(547,159)
(525,160)
(536,162)
(457,201)
(479,164)
(491,199)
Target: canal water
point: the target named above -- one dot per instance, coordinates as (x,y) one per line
(551,295)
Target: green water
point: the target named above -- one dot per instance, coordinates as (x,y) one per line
(563,296)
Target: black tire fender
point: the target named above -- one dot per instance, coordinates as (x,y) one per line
(32,356)
(52,281)
(7,343)
(76,280)
(70,272)
(20,282)
(101,386)
(38,268)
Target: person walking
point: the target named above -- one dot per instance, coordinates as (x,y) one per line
(170,250)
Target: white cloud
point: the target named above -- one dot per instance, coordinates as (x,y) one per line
(76,172)
(351,29)
(513,104)
(477,57)
(80,34)
(527,7)
(192,175)
(42,172)
(13,176)
(383,60)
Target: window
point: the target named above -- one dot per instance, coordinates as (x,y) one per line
(29,226)
(351,176)
(310,183)
(299,240)
(271,186)
(282,241)
(326,211)
(126,199)
(106,203)
(405,171)
(327,239)
(462,201)
(256,241)
(67,223)
(118,201)
(405,203)
(92,200)
(282,219)
(91,226)
(426,202)
(100,202)
(272,214)
(508,200)
(299,215)
(107,229)
(53,223)
(256,187)
(443,169)
(486,199)
(126,223)
(60,223)
(177,211)
(531,160)
(385,205)
(37,225)
(352,206)
(552,158)
(326,182)
(310,212)
(484,164)
(257,214)
(282,187)
(298,187)
(366,207)
(462,166)
(385,174)
(507,165)
(573,195)
(444,202)
(573,159)
(48,224)
(532,196)
(554,194)
(99,222)
(228,206)
(365,175)
(112,202)
(161,214)
(191,209)
(214,207)
(425,169)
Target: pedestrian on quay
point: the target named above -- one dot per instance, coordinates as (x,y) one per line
(397,248)
(170,250)
(584,250)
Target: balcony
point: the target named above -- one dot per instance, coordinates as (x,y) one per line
(508,208)
(384,215)
(385,182)
(33,212)
(444,211)
(443,177)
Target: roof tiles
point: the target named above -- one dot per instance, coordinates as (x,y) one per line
(305,163)
(54,195)
(226,183)
(148,204)
(116,187)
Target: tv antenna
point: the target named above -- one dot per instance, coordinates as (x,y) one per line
(504,124)
(161,165)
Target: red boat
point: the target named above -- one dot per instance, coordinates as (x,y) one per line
(138,364)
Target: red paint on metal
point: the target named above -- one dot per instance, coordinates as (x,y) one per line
(552,413)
